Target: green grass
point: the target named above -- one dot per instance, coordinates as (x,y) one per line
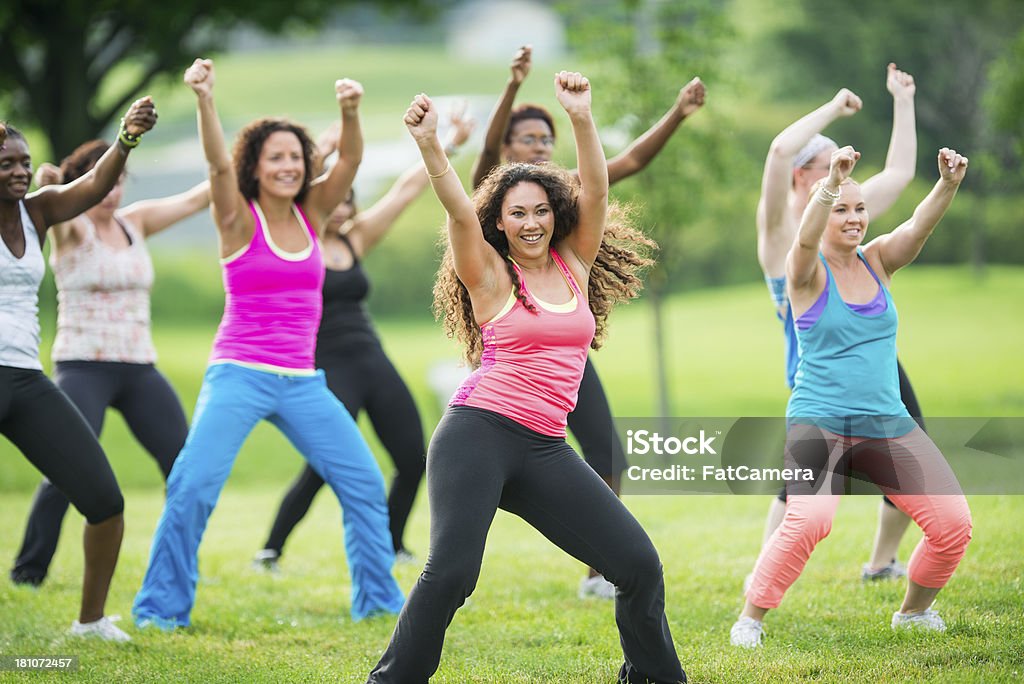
(959,340)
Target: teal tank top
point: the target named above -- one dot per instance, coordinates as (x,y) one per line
(846,381)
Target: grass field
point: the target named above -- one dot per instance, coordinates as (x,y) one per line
(960,341)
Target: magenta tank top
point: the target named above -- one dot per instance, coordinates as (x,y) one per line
(272,303)
(532,362)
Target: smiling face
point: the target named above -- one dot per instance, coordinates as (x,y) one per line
(280,170)
(530,141)
(527,220)
(15,169)
(848,219)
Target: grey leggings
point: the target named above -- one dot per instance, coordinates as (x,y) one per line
(479,461)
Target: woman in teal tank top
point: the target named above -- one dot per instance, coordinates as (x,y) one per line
(847,394)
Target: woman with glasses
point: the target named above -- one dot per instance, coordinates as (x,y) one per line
(526,134)
(798,158)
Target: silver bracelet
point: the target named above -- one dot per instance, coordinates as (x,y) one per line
(834,196)
(824,200)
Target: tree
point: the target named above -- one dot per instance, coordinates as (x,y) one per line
(57,56)
(644,51)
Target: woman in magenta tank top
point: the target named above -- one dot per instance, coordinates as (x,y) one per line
(269,211)
(528,278)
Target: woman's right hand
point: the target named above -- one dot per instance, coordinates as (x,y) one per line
(48,174)
(199,77)
(841,165)
(572,89)
(421,118)
(141,116)
(521,64)
(846,103)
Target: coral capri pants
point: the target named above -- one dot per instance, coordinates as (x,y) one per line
(909,469)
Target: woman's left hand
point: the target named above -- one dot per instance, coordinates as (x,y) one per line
(952,166)
(573,91)
(348,93)
(141,116)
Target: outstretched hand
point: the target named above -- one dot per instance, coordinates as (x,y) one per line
(141,116)
(48,174)
(846,103)
(521,64)
(952,166)
(462,124)
(899,83)
(573,91)
(199,77)
(691,97)
(421,118)
(348,93)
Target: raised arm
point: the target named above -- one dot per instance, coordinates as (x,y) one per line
(778,167)
(642,150)
(153,215)
(58,203)
(802,263)
(900,247)
(497,125)
(573,93)
(476,262)
(368,227)
(229,212)
(330,189)
(881,190)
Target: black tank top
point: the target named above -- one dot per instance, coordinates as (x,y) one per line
(345,322)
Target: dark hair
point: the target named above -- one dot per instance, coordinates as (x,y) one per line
(615,276)
(525,113)
(85,156)
(13,133)
(249,145)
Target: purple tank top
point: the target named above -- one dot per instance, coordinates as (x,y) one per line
(272,302)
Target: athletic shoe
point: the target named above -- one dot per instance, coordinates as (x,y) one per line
(894,570)
(25,579)
(104,628)
(628,675)
(929,620)
(746,633)
(596,587)
(266,561)
(405,557)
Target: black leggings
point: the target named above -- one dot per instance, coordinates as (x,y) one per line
(364,378)
(153,414)
(41,422)
(480,461)
(592,426)
(913,408)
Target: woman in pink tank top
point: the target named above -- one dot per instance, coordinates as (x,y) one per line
(270,210)
(527,280)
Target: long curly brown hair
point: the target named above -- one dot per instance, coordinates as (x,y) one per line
(249,144)
(84,157)
(624,254)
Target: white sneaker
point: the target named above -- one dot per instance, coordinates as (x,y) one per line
(894,570)
(405,557)
(929,620)
(266,560)
(596,587)
(746,633)
(104,628)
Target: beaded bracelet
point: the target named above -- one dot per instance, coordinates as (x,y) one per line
(127,139)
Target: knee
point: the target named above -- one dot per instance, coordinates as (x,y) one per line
(950,534)
(453,580)
(640,567)
(813,523)
(110,505)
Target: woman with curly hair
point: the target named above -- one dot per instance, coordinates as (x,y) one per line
(529,276)
(270,214)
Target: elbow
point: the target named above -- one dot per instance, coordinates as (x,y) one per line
(779,151)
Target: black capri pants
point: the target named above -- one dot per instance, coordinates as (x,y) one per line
(44,425)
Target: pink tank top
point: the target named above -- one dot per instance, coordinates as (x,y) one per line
(272,303)
(532,362)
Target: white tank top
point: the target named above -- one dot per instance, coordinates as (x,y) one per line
(103,299)
(19,299)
